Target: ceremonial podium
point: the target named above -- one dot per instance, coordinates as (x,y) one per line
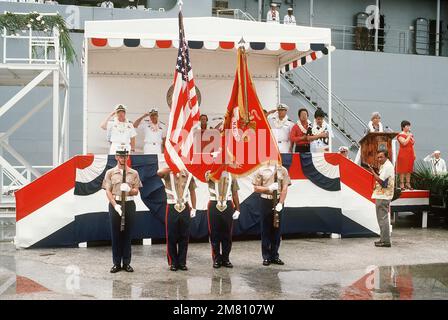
(372,143)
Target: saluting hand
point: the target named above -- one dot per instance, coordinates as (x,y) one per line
(236,215)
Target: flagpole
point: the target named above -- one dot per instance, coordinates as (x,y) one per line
(246,107)
(181,26)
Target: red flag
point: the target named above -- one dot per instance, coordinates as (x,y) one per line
(247,139)
(184,114)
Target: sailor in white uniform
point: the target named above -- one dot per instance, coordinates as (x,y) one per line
(273,16)
(289,19)
(107,4)
(438,165)
(154,132)
(120,131)
(281,127)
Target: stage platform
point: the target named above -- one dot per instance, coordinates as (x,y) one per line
(67,207)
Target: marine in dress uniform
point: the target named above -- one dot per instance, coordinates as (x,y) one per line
(154,132)
(224,206)
(264,183)
(281,128)
(178,213)
(114,186)
(120,131)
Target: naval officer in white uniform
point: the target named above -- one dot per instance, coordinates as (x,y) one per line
(154,132)
(281,127)
(120,131)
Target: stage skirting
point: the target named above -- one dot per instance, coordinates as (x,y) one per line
(411,200)
(67,206)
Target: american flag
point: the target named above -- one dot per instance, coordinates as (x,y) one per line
(184,114)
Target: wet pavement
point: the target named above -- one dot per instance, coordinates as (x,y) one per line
(416,267)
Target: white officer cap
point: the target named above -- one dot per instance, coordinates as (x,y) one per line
(282,106)
(154,111)
(343,148)
(274,5)
(289,9)
(120,107)
(437,151)
(121,151)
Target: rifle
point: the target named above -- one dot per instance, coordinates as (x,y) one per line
(276,221)
(123,199)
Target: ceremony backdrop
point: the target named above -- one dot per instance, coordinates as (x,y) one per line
(328,194)
(132,62)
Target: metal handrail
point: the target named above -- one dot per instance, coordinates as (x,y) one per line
(350,129)
(353,142)
(236,13)
(335,97)
(339,115)
(37,40)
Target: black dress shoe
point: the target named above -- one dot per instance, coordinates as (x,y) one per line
(383,244)
(266,262)
(183,268)
(128,268)
(115,268)
(173,268)
(216,265)
(227,264)
(277,261)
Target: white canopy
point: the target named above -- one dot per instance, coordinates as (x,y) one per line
(132,62)
(207,29)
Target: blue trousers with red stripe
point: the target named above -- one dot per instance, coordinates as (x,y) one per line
(220,231)
(177,235)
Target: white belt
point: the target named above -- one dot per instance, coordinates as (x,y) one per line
(268,196)
(129,198)
(214,199)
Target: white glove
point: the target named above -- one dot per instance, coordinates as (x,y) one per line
(273,187)
(279,207)
(117,208)
(236,215)
(125,187)
(192,213)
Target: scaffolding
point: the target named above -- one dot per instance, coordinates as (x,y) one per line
(32,59)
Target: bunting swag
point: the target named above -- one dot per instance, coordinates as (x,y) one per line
(328,194)
(320,172)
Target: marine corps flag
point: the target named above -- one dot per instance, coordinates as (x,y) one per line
(247,140)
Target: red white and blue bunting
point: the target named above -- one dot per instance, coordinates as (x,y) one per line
(313,51)
(306,59)
(209,45)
